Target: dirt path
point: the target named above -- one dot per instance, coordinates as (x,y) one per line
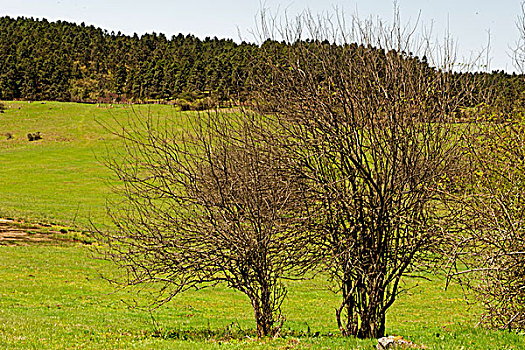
(20,233)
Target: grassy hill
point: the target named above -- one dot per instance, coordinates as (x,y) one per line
(52,296)
(59,178)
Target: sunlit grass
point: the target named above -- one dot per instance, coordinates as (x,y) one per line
(52,296)
(60,178)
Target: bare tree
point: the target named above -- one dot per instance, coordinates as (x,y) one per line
(492,248)
(208,200)
(368,124)
(519,50)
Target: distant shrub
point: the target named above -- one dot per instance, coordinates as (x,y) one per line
(183,104)
(34,136)
(189,96)
(202,104)
(196,105)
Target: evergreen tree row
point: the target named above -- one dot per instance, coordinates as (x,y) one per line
(42,60)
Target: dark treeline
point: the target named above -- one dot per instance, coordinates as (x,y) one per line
(508,91)
(42,60)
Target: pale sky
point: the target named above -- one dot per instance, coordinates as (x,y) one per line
(469,21)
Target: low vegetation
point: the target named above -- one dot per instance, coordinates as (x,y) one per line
(53,294)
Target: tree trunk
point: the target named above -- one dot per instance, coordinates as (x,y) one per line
(370,322)
(263,314)
(373,317)
(371,327)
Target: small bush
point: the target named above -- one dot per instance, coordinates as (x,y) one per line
(202,104)
(183,104)
(34,136)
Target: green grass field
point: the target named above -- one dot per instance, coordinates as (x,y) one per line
(52,296)
(59,178)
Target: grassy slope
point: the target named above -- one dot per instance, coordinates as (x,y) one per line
(53,296)
(59,177)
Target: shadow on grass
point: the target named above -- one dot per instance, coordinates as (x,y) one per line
(229,333)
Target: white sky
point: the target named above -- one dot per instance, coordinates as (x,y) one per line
(469,21)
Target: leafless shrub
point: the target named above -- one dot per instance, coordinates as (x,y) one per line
(367,123)
(492,248)
(347,172)
(206,201)
(489,255)
(519,50)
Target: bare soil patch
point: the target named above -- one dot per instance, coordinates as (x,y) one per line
(20,233)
